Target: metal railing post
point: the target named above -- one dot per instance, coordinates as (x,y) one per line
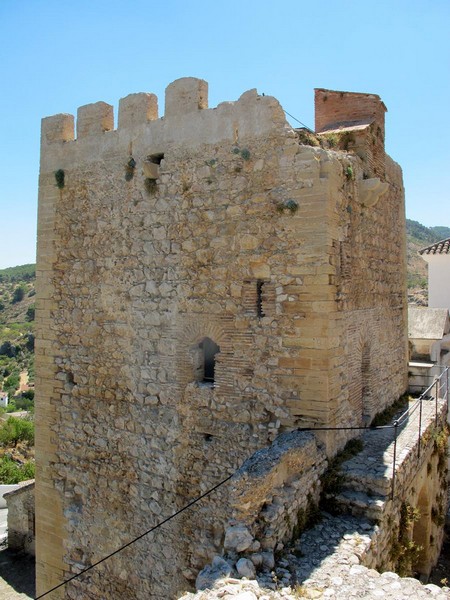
(436,400)
(446,390)
(420,425)
(394,460)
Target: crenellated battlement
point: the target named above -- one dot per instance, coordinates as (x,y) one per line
(58,128)
(135,109)
(94,119)
(185,96)
(187,118)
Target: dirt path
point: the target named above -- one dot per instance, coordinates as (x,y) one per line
(23,385)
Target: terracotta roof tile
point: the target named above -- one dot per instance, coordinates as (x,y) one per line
(442,247)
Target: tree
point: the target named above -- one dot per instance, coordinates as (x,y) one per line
(29,345)
(30,313)
(18,294)
(11,384)
(16,430)
(7,349)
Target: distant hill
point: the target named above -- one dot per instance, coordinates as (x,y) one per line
(21,273)
(417,237)
(17,298)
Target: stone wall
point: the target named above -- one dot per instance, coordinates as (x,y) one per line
(207,224)
(21,518)
(396,524)
(421,491)
(275,489)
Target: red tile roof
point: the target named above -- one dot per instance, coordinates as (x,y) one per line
(442,247)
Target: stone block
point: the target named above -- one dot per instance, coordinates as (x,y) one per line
(186,95)
(58,128)
(94,119)
(246,568)
(237,538)
(136,109)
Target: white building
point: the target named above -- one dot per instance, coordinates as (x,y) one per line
(3,400)
(438,258)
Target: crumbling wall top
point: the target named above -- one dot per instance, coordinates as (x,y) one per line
(187,121)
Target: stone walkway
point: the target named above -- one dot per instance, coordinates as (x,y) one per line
(325,563)
(330,570)
(332,567)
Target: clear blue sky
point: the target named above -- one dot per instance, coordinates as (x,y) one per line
(58,55)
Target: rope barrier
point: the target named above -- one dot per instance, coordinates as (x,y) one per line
(395,425)
(63,583)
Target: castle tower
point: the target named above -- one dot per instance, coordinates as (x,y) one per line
(206,281)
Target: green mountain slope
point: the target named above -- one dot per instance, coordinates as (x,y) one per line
(417,237)
(17,297)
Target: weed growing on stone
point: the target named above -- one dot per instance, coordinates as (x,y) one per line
(129,169)
(345,140)
(289,205)
(245,153)
(306,518)
(404,551)
(300,591)
(59,177)
(385,417)
(307,138)
(441,440)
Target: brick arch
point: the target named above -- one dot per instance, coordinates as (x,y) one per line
(191,330)
(361,374)
(195,331)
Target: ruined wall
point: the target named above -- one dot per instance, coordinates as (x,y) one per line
(208,223)
(275,497)
(21,518)
(410,525)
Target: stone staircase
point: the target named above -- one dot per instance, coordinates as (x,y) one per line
(367,484)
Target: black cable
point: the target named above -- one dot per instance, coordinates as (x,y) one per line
(191,503)
(292,117)
(212,490)
(369,428)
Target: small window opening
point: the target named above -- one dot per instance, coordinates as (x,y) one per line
(156,158)
(259,299)
(210,349)
(203,356)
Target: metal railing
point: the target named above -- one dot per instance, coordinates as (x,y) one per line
(439,389)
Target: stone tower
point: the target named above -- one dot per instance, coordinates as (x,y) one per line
(206,281)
